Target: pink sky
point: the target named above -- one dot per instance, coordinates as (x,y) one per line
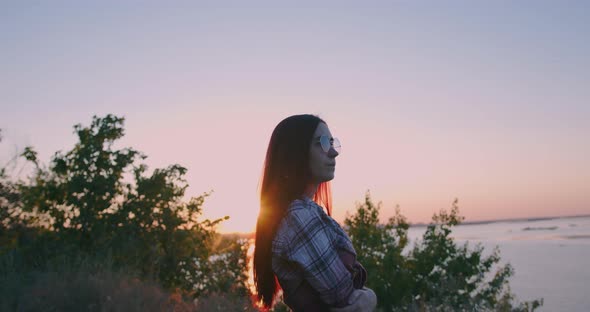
(487,103)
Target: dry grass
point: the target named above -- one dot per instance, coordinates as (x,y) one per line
(83,291)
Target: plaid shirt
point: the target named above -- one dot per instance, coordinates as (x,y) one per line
(306,247)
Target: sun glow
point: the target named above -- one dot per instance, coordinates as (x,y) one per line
(241,207)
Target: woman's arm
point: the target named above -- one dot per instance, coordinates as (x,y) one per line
(358,272)
(311,248)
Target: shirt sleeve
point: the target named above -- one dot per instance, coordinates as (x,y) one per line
(311,249)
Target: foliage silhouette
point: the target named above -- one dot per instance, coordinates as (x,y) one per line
(99,203)
(435,274)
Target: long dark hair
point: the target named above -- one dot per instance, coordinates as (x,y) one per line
(285,177)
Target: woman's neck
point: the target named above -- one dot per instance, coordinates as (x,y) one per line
(311,190)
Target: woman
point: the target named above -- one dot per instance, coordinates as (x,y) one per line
(299,247)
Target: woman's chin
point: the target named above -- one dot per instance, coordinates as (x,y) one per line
(329,177)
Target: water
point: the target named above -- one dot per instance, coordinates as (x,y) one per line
(550,258)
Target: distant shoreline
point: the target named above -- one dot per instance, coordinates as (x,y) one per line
(509,220)
(476,222)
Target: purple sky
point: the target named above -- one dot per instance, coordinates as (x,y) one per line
(485,102)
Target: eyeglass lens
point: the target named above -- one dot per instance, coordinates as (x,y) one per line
(326,144)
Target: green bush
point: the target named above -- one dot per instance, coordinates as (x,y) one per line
(99,203)
(435,274)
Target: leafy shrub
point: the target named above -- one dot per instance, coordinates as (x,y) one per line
(99,203)
(436,274)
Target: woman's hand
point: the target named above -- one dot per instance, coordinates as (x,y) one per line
(361,300)
(359,275)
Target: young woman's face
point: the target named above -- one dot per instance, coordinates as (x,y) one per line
(322,163)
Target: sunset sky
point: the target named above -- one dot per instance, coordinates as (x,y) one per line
(487,102)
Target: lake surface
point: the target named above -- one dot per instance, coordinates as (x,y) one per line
(551,258)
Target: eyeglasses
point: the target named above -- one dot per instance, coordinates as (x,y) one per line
(327,142)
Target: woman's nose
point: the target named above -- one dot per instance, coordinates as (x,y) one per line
(332,153)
